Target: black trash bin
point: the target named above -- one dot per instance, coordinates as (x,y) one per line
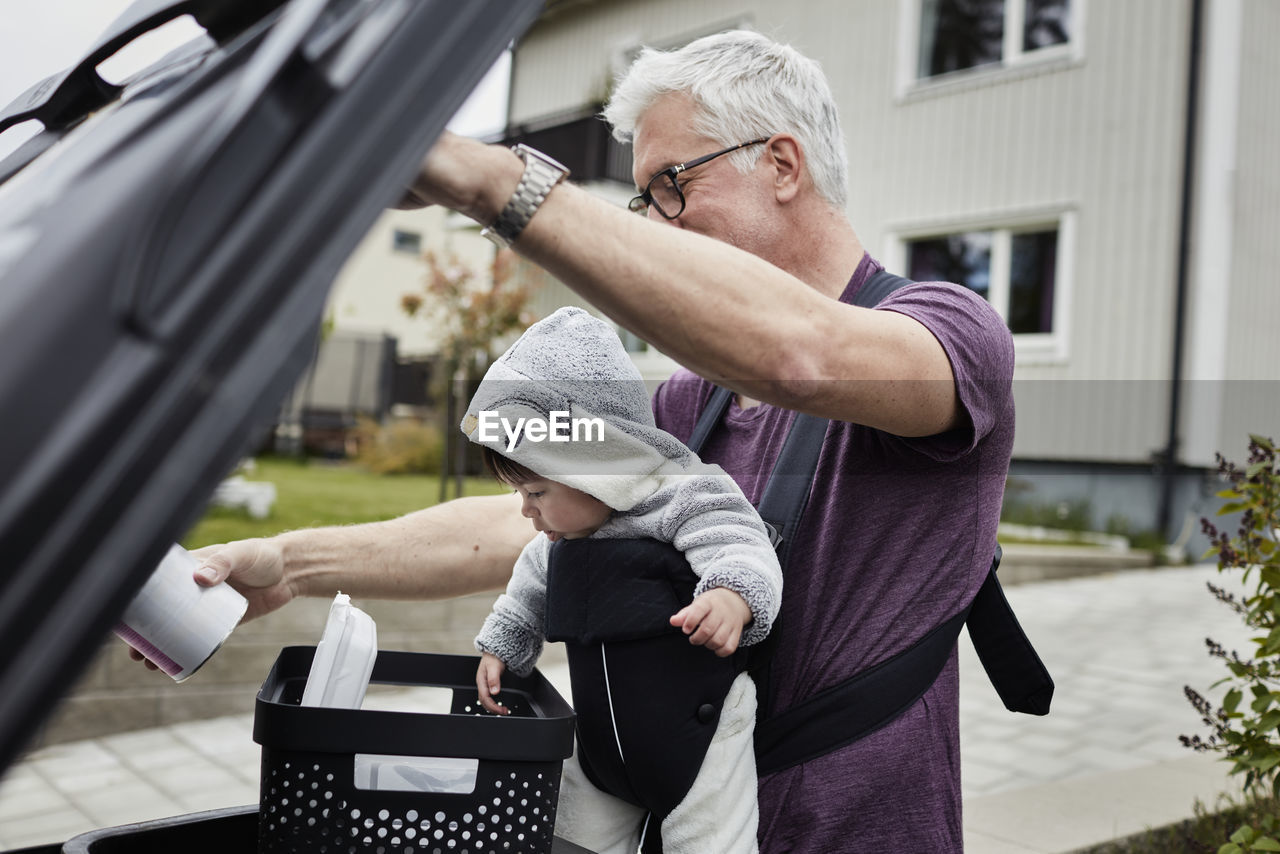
(356,780)
(316,800)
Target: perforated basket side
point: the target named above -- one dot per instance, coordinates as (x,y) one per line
(309,803)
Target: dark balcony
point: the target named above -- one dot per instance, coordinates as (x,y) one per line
(579,139)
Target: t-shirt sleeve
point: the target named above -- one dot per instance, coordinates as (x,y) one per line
(980,348)
(678,401)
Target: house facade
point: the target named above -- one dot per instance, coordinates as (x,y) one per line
(1103,171)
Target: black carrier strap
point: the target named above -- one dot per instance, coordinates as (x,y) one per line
(870,700)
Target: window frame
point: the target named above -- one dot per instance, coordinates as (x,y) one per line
(1014,60)
(396,243)
(1030,348)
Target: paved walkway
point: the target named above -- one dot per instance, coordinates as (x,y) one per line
(1105,763)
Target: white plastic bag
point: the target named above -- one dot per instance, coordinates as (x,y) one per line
(344,658)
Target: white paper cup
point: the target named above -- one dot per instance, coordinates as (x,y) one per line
(174,622)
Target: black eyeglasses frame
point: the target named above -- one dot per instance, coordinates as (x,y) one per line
(640,204)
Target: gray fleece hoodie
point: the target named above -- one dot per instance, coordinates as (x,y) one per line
(570,370)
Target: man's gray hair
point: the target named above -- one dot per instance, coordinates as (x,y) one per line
(744,86)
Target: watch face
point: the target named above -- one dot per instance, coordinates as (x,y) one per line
(525,153)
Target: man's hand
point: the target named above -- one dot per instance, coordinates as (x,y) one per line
(714,620)
(464,175)
(489,683)
(255,568)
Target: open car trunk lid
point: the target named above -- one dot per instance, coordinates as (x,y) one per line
(166,248)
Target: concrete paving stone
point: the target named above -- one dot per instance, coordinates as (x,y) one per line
(976,842)
(1093,809)
(127,804)
(980,778)
(242,795)
(197,774)
(72,758)
(1043,744)
(1056,724)
(149,749)
(45,828)
(28,794)
(1159,750)
(1004,755)
(1095,760)
(218,736)
(77,783)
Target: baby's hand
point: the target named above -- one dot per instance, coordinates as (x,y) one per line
(714,620)
(489,683)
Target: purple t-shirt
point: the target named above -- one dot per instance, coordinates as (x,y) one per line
(897,537)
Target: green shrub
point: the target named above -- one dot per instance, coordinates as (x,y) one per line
(401,447)
(1246,729)
(1073,515)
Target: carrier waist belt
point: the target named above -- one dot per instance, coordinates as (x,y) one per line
(874,698)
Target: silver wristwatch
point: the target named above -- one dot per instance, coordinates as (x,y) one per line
(541,173)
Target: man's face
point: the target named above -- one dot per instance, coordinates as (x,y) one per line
(720,201)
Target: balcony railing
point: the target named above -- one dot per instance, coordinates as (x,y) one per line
(581,141)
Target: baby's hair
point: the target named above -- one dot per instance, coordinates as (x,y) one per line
(505,470)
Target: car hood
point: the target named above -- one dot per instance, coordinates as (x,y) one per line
(166,248)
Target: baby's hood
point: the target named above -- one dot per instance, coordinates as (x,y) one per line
(571,373)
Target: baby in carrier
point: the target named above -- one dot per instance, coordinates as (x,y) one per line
(654,570)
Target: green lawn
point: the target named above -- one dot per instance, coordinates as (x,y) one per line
(315,493)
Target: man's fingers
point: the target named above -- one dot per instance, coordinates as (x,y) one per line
(214,570)
(137,656)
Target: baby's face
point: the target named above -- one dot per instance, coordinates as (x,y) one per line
(561,511)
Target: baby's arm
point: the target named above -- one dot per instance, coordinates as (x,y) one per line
(715,620)
(513,631)
(489,683)
(725,542)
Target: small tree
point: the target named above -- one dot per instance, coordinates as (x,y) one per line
(472,313)
(1246,729)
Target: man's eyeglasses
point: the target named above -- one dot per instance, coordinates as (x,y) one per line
(663,191)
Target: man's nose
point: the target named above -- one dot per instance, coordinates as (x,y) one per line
(527,509)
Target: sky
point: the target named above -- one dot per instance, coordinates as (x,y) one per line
(42,37)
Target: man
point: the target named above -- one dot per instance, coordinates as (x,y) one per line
(738,148)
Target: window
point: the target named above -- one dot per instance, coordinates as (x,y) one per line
(960,34)
(406,241)
(1015,270)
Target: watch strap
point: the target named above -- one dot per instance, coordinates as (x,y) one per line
(541,174)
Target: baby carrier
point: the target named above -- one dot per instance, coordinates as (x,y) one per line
(632,672)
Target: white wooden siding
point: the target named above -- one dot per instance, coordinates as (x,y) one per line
(1096,133)
(1252,398)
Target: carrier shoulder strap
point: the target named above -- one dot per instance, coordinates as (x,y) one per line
(875,697)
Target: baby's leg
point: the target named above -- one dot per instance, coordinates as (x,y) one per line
(594,819)
(720,812)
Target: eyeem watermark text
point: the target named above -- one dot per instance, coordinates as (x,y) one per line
(559,427)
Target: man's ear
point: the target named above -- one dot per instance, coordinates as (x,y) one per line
(787,157)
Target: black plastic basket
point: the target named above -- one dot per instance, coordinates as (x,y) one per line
(233,830)
(311,801)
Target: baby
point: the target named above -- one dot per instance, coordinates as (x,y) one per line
(564,418)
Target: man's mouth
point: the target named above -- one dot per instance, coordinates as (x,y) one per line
(552,535)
